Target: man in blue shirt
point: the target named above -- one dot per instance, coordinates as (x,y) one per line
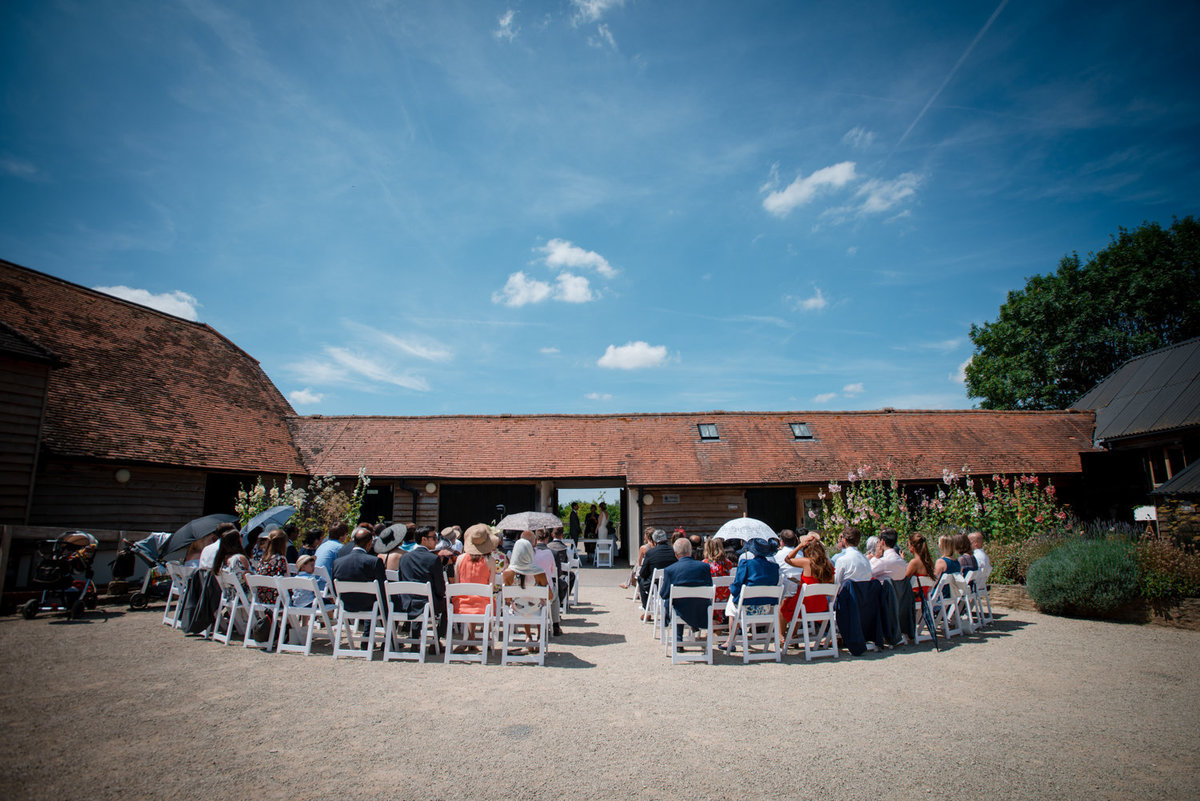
(328,550)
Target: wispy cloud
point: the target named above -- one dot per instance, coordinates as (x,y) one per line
(853,389)
(942,346)
(305,397)
(824,397)
(814,302)
(803,190)
(559,253)
(859,138)
(598,396)
(959,376)
(178,303)
(879,195)
(602,38)
(507,29)
(361,366)
(548,351)
(633,356)
(593,10)
(20,168)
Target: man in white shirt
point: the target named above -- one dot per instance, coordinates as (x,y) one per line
(981,558)
(851,565)
(543,557)
(889,563)
(209,555)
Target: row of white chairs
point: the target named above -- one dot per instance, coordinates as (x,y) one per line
(958,604)
(300,612)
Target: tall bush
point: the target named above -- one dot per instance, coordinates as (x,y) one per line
(1085,577)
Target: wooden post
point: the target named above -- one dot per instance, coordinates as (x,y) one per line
(5,547)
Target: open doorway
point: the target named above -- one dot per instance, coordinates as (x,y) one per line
(599,512)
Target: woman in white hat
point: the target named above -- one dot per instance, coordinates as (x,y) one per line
(520,571)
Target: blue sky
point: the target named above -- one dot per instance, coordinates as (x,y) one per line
(590,205)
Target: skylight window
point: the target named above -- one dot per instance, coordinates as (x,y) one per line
(708,431)
(800,431)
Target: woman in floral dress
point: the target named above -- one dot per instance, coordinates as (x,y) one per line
(719,565)
(273,562)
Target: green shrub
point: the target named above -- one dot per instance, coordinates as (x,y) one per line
(1011,561)
(1085,577)
(1168,571)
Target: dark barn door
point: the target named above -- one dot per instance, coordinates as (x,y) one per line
(467,504)
(377,504)
(775,506)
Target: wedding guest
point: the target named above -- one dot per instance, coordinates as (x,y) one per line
(946,563)
(888,563)
(966,554)
(273,562)
(815,568)
(981,557)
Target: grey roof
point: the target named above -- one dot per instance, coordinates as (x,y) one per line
(1156,392)
(1185,482)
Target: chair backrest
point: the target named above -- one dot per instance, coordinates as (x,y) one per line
(704,593)
(356,588)
(421,588)
(722,581)
(292,569)
(323,572)
(231,588)
(465,589)
(763,595)
(392,575)
(301,582)
(814,590)
(258,583)
(923,583)
(604,546)
(513,592)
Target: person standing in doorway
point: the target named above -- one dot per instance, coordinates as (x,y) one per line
(573,530)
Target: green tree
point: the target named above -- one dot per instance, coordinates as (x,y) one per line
(1064,332)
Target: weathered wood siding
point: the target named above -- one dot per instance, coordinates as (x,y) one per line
(699,511)
(22,401)
(73,494)
(425,512)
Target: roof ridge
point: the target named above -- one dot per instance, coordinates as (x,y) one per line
(611,415)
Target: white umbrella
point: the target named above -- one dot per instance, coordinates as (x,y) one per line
(529,521)
(745,529)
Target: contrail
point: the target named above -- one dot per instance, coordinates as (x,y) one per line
(949,77)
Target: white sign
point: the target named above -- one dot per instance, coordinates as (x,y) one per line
(1145,513)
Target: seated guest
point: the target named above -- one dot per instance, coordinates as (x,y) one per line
(523,572)
(869,550)
(421,564)
(273,562)
(648,536)
(660,556)
(889,564)
(686,572)
(546,559)
(208,555)
(192,557)
(851,565)
(331,548)
(759,570)
(230,556)
(476,566)
(922,563)
(981,557)
(815,568)
(386,545)
(312,539)
(358,565)
(966,554)
(719,564)
(946,563)
(304,569)
(349,546)
(789,576)
(453,535)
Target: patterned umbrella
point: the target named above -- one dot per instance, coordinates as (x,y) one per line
(529,521)
(745,529)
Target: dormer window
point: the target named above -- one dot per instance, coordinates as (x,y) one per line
(708,432)
(800,431)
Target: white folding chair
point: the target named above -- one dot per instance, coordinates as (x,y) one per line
(179,577)
(977,598)
(346,621)
(322,573)
(307,617)
(757,629)
(257,585)
(720,621)
(604,553)
(232,611)
(818,630)
(573,573)
(653,603)
(923,585)
(455,620)
(943,605)
(392,575)
(292,569)
(513,620)
(688,639)
(421,626)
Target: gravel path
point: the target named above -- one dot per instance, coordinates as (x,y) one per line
(1037,707)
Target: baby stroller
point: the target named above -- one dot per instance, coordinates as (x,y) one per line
(58,561)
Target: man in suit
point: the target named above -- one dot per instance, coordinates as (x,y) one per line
(360,565)
(687,572)
(660,555)
(421,564)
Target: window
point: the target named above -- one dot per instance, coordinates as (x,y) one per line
(708,431)
(800,431)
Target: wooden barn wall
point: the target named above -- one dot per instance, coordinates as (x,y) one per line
(426,511)
(22,401)
(699,511)
(73,494)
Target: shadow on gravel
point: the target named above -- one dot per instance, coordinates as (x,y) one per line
(563,659)
(591,639)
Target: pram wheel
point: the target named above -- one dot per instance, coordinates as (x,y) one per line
(29,609)
(76,610)
(138,600)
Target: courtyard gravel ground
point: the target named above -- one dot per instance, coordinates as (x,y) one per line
(1035,707)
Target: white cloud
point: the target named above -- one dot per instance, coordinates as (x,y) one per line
(879,196)
(178,303)
(305,397)
(507,29)
(593,10)
(824,397)
(20,168)
(850,251)
(633,356)
(365,367)
(603,38)
(573,289)
(945,346)
(959,376)
(598,396)
(315,371)
(859,137)
(561,253)
(549,351)
(803,190)
(520,290)
(814,303)
(853,389)
(428,350)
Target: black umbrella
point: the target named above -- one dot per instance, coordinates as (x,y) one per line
(194,530)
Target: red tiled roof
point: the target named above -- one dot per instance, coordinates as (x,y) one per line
(665,449)
(141,385)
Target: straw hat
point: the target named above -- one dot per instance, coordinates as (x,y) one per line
(522,559)
(480,540)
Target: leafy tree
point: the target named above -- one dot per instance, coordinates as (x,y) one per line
(1064,332)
